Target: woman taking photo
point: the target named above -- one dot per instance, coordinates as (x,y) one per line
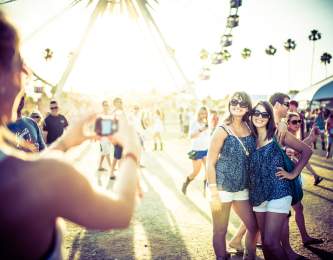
(35,191)
(270,189)
(199,134)
(227,171)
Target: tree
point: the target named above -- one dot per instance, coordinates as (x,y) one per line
(289,46)
(48,54)
(246,53)
(326,59)
(314,36)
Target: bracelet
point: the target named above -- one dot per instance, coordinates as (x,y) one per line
(133,157)
(212,185)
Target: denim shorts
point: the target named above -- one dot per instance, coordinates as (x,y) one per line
(200,154)
(118,151)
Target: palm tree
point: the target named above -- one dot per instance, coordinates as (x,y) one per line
(246,53)
(326,59)
(48,54)
(271,50)
(289,46)
(225,55)
(314,36)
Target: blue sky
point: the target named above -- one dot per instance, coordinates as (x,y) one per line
(188,26)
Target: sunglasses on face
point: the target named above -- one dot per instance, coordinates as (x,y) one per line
(36,117)
(53,108)
(295,122)
(257,113)
(235,102)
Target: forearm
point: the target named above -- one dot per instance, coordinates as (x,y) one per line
(302,162)
(125,186)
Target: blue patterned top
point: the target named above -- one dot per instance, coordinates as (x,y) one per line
(264,184)
(232,166)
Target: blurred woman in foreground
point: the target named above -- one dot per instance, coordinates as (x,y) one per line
(35,191)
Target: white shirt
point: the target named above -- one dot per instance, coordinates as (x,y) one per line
(201,142)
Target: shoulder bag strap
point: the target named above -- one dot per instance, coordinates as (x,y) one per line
(229,131)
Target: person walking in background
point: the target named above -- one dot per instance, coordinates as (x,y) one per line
(29,137)
(105,144)
(214,120)
(320,123)
(199,135)
(118,151)
(329,131)
(270,191)
(158,127)
(54,124)
(228,175)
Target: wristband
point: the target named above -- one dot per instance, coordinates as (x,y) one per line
(212,185)
(132,156)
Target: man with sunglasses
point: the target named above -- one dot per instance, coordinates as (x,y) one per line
(281,103)
(54,123)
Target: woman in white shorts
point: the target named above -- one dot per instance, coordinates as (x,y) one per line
(269,187)
(227,171)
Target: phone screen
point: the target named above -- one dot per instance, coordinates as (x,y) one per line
(106,127)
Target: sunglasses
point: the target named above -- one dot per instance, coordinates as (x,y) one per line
(295,122)
(235,102)
(257,113)
(36,117)
(53,108)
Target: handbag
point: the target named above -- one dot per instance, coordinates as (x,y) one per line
(192,154)
(295,184)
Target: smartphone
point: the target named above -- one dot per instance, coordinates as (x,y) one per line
(105,127)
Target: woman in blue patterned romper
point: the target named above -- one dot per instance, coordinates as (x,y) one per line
(227,171)
(270,192)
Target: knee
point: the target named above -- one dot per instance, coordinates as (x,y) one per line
(270,244)
(219,232)
(252,228)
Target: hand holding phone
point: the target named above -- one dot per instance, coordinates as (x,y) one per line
(106,126)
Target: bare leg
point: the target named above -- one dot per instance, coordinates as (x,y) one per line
(245,212)
(108,159)
(196,169)
(285,241)
(312,171)
(272,237)
(113,166)
(101,162)
(299,218)
(260,216)
(220,227)
(236,241)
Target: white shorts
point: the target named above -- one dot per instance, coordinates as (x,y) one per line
(105,146)
(282,205)
(226,196)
